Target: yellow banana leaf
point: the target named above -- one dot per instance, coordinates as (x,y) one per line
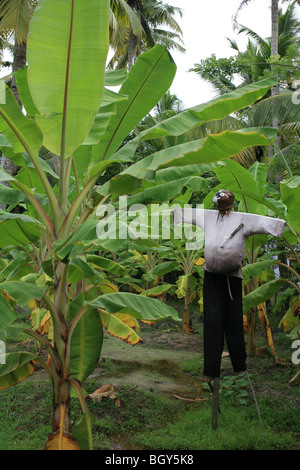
(40,319)
(117,328)
(18,366)
(61,441)
(128,320)
(107,287)
(262,315)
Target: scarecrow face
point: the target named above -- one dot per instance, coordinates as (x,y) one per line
(224,200)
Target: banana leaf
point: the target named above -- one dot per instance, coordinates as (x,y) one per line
(160,270)
(234,176)
(106,264)
(86,342)
(21,132)
(66,93)
(23,89)
(212,148)
(252,270)
(258,171)
(18,229)
(21,292)
(262,293)
(140,307)
(117,328)
(148,80)
(215,109)
(290,196)
(7,315)
(218,108)
(17,366)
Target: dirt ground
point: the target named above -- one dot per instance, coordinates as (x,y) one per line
(154,364)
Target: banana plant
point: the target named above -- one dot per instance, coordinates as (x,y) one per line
(72,112)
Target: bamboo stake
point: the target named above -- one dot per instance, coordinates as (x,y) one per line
(256,404)
(215,403)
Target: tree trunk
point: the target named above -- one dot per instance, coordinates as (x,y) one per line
(130,50)
(19,62)
(274,53)
(251,336)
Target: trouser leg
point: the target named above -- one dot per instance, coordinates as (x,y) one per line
(222,316)
(213,324)
(234,329)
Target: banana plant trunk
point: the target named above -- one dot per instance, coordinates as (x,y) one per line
(251,338)
(186,320)
(251,322)
(61,368)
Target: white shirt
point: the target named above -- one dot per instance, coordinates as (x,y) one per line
(225,236)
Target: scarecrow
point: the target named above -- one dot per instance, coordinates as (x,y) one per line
(225,233)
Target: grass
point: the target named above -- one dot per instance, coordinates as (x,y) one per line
(238,429)
(25,416)
(151,420)
(147,420)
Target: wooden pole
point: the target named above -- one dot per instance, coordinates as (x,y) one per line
(215,403)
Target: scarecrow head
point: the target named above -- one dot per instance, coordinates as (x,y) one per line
(224,200)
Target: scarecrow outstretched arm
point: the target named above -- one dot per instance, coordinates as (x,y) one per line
(260,224)
(189,216)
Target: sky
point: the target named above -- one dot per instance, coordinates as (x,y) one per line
(206,24)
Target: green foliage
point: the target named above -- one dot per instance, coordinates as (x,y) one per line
(237,387)
(74,116)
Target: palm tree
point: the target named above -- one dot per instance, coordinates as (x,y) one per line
(274,39)
(274,23)
(122,19)
(251,65)
(15,17)
(152,15)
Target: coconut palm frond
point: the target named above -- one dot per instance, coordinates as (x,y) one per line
(233,44)
(215,127)
(282,104)
(291,131)
(161,13)
(15,18)
(243,4)
(126,16)
(247,157)
(168,39)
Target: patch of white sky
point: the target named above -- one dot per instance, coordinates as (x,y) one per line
(206,25)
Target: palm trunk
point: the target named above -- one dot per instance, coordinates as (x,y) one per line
(130,50)
(19,62)
(274,53)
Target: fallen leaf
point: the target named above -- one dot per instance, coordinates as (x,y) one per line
(106,391)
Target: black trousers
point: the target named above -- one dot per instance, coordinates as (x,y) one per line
(223,317)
